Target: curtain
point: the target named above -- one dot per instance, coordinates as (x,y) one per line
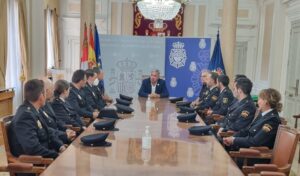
(14,63)
(3,41)
(53,54)
(23,40)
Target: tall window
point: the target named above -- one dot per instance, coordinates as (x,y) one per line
(13,68)
(49,34)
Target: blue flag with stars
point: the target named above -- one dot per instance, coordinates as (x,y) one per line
(216,63)
(97,48)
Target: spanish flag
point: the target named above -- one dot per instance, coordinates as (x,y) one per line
(84,57)
(92,56)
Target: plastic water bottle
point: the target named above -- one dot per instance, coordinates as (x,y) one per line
(148,103)
(146,139)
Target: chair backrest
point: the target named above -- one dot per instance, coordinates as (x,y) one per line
(285,146)
(283,121)
(4,125)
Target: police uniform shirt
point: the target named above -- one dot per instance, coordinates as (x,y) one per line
(240,115)
(261,132)
(210,100)
(224,101)
(29,134)
(66,113)
(77,100)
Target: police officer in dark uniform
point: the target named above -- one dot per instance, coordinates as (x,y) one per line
(55,124)
(241,113)
(77,97)
(262,131)
(92,98)
(204,90)
(99,85)
(63,110)
(28,133)
(225,98)
(211,98)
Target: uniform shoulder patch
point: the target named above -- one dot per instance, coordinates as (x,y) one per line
(267,128)
(214,98)
(245,114)
(225,100)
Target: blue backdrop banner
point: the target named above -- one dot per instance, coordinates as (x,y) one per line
(185,59)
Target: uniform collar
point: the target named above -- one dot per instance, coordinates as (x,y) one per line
(266,112)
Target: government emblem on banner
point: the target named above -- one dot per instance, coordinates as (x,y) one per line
(177,55)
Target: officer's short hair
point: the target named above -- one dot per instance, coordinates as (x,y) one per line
(78,75)
(60,86)
(213,76)
(33,89)
(238,76)
(224,79)
(245,85)
(89,73)
(97,70)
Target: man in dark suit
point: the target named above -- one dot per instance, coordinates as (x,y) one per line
(154,87)
(28,133)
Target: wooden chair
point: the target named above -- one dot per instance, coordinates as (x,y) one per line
(296,125)
(281,156)
(23,163)
(268,173)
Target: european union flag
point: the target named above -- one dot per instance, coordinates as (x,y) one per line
(97,48)
(216,63)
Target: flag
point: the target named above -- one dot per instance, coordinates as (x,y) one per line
(216,63)
(97,48)
(84,57)
(92,56)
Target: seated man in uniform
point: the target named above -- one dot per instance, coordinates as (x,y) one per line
(154,87)
(77,97)
(211,98)
(63,110)
(54,123)
(241,113)
(99,85)
(204,90)
(225,98)
(92,98)
(28,133)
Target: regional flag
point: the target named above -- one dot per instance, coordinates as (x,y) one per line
(84,57)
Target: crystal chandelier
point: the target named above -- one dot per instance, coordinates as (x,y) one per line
(159,10)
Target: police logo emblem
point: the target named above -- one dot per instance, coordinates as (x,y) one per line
(225,100)
(245,114)
(267,128)
(214,98)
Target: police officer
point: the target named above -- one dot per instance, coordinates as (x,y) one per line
(204,90)
(241,113)
(63,110)
(77,97)
(262,131)
(211,98)
(54,123)
(28,133)
(99,85)
(92,98)
(225,98)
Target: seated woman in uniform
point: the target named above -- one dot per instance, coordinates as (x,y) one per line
(64,111)
(262,131)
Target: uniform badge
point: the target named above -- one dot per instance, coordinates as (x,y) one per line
(267,128)
(245,114)
(79,97)
(39,124)
(225,100)
(214,98)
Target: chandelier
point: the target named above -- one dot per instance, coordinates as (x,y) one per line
(159,10)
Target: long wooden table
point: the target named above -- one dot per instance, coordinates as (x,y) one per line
(173,151)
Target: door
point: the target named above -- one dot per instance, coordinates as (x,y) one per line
(291,106)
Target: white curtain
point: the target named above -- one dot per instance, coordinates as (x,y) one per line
(49,34)
(13,69)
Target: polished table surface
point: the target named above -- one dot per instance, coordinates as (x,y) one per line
(173,151)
